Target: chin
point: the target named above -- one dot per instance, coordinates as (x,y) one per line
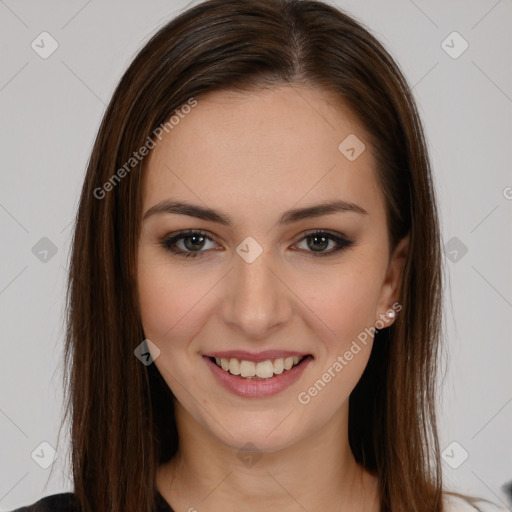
(261,431)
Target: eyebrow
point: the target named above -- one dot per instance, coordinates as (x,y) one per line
(288,217)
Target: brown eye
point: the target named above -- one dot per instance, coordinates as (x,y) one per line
(193,243)
(318,241)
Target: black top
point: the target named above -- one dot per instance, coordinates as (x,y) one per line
(67,502)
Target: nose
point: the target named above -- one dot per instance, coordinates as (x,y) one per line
(257,300)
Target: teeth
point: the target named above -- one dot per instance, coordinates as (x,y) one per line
(263,370)
(234,366)
(279,366)
(247,369)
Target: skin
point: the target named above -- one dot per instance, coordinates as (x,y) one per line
(254,156)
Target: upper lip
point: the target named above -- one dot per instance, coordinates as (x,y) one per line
(255,356)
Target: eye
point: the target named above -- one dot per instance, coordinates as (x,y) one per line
(319,241)
(194,242)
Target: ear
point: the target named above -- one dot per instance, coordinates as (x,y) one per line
(388,300)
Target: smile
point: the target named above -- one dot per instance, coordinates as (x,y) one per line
(258,370)
(259,375)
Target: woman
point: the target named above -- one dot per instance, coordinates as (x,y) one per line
(255,284)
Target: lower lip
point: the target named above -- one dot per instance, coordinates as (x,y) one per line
(256,388)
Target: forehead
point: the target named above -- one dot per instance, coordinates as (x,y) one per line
(280,144)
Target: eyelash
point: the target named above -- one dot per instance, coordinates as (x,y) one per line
(169,243)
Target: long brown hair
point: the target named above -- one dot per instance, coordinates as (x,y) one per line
(121,411)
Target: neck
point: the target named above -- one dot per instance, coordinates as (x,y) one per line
(206,475)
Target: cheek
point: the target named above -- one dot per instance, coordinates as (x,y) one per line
(171,313)
(169,301)
(347,304)
(157,302)
(349,311)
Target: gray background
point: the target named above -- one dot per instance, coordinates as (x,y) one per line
(51,109)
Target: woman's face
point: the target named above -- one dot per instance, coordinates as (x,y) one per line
(258,290)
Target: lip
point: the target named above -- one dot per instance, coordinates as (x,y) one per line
(255,388)
(256,357)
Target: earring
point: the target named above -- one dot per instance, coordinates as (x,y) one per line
(391,314)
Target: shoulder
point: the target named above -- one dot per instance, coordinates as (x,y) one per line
(454,502)
(65,502)
(68,502)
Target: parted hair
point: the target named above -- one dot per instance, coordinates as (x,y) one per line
(120,411)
